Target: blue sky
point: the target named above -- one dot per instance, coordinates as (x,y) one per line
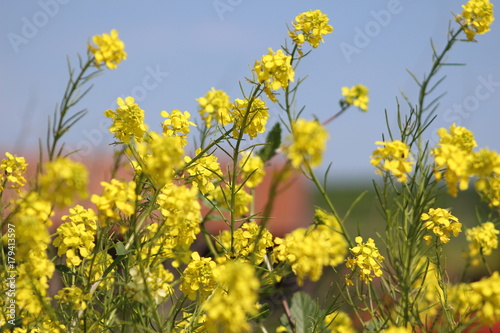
(178,50)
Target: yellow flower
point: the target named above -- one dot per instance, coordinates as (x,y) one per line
(442,223)
(215,105)
(356,95)
(198,277)
(252,167)
(310,27)
(94,267)
(339,322)
(160,157)
(74,296)
(177,124)
(223,198)
(128,120)
(63,181)
(250,117)
(108,49)
(117,197)
(485,298)
(250,242)
(181,209)
(453,157)
(34,274)
(489,189)
(12,170)
(366,259)
(75,237)
(31,217)
(482,239)
(204,171)
(233,300)
(396,159)
(153,282)
(307,143)
(476,17)
(308,250)
(274,71)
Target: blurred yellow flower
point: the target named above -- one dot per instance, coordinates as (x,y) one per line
(108,49)
(476,17)
(307,143)
(356,95)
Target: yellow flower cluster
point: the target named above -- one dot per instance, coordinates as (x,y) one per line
(442,223)
(453,156)
(63,181)
(250,117)
(476,17)
(116,195)
(307,142)
(204,171)
(108,49)
(177,124)
(486,165)
(32,217)
(339,322)
(252,169)
(198,278)
(149,284)
(250,242)
(128,120)
(482,239)
(455,162)
(366,258)
(73,296)
(310,27)
(160,156)
(215,105)
(275,71)
(222,197)
(394,157)
(94,267)
(180,207)
(233,300)
(484,299)
(356,95)
(75,236)
(32,282)
(308,250)
(12,170)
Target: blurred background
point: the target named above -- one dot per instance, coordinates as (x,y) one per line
(178,50)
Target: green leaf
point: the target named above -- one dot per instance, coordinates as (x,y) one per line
(120,249)
(305,312)
(273,141)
